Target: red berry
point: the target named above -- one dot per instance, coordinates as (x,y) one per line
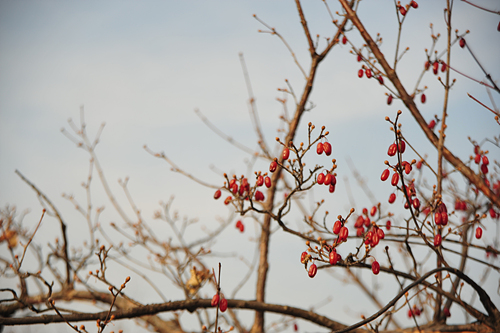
(303,257)
(319,148)
(217,194)
(321,178)
(486,161)
(260,181)
(259,196)
(286,153)
(359,222)
(477,159)
(333,257)
(228,200)
(401,146)
(373,211)
(389,100)
(416,203)
(295,327)
(336,227)
(240,226)
(234,188)
(223,305)
(267,181)
(476,149)
(380,233)
(446,312)
(215,300)
(333,181)
(435,67)
(388,225)
(437,240)
(419,165)
(493,214)
(484,168)
(462,42)
(365,211)
(313,269)
(410,313)
(392,150)
(327,147)
(479,232)
(385,175)
(375,267)
(443,67)
(360,57)
(402,10)
(331,189)
(367,221)
(432,123)
(423,98)
(375,239)
(408,168)
(368,73)
(414,4)
(437,218)
(380,79)
(359,231)
(344,39)
(328,179)
(395,179)
(360,73)
(392,198)
(427,65)
(273,166)
(344,232)
(444,218)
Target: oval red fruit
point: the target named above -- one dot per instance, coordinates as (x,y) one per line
(273,166)
(437,240)
(437,218)
(215,300)
(416,203)
(286,154)
(486,161)
(344,232)
(333,257)
(260,181)
(402,10)
(344,39)
(259,196)
(392,150)
(389,100)
(375,239)
(368,73)
(217,194)
(444,218)
(336,227)
(427,65)
(395,179)
(267,181)
(414,4)
(327,147)
(380,79)
(385,175)
(223,305)
(402,146)
(321,178)
(443,67)
(375,267)
(303,257)
(228,200)
(331,189)
(388,225)
(462,42)
(431,124)
(392,198)
(313,269)
(479,232)
(493,214)
(359,57)
(328,179)
(408,168)
(381,233)
(373,211)
(435,67)
(423,98)
(360,73)
(319,148)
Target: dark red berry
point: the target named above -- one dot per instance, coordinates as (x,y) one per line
(486,161)
(385,175)
(443,67)
(344,39)
(336,227)
(328,179)
(259,196)
(462,42)
(380,233)
(360,73)
(427,65)
(333,257)
(373,211)
(360,57)
(401,146)
(437,240)
(286,154)
(375,267)
(388,225)
(389,100)
(321,178)
(273,166)
(437,218)
(446,312)
(331,189)
(392,197)
(402,10)
(319,148)
(423,98)
(416,203)
(435,67)
(260,181)
(484,168)
(267,181)
(392,150)
(368,73)
(479,232)
(223,305)
(432,123)
(313,269)
(380,79)
(344,232)
(215,300)
(217,194)
(327,147)
(414,4)
(395,179)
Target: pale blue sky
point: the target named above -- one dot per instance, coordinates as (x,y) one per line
(143,67)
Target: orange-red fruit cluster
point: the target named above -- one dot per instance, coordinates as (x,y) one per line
(240,225)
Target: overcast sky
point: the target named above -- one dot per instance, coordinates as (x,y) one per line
(143,67)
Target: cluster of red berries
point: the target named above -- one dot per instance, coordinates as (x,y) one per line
(415,312)
(482,159)
(221,302)
(460,205)
(403,10)
(240,225)
(369,75)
